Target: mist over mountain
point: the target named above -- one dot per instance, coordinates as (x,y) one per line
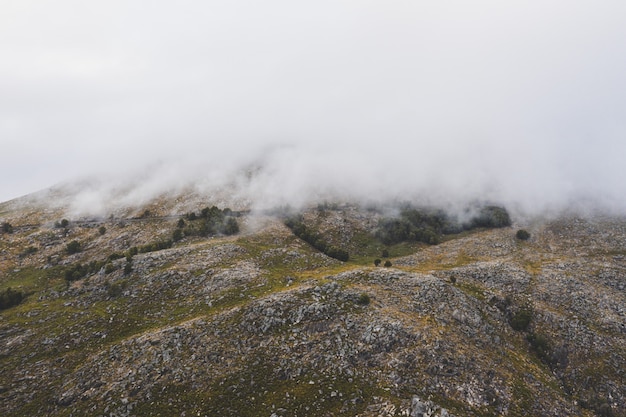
(519,104)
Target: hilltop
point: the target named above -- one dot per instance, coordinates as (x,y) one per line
(121,315)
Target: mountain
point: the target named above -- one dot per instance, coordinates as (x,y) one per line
(184,306)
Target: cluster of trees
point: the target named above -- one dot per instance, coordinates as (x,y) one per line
(298,227)
(210,221)
(10,298)
(428,226)
(78,271)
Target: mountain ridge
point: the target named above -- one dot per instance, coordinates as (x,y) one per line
(263,323)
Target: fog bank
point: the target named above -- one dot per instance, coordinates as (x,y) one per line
(436,102)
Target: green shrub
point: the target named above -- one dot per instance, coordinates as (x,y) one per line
(10,298)
(387,263)
(73,247)
(540,344)
(377,262)
(28,251)
(522,234)
(363,299)
(385,253)
(116,289)
(155,246)
(128,268)
(114,256)
(521,319)
(6,227)
(102,230)
(177,235)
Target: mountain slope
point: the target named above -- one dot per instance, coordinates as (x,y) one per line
(261,323)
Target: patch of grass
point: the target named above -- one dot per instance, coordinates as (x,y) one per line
(471,289)
(31,279)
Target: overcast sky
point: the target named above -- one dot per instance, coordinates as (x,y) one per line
(523,102)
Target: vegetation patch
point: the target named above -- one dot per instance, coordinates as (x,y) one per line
(10,298)
(429,226)
(211,221)
(297,226)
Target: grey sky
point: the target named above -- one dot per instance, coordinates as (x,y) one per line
(521,102)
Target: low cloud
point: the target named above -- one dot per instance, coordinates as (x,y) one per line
(278,103)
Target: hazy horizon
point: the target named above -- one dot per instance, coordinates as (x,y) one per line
(444,102)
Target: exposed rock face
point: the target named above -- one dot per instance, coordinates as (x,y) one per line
(261,324)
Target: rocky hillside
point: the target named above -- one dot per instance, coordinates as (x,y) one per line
(118,316)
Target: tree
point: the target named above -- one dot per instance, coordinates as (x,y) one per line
(522,234)
(377,262)
(231,227)
(385,253)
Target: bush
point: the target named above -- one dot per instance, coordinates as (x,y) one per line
(387,263)
(116,289)
(28,251)
(155,246)
(114,256)
(363,299)
(522,234)
(541,346)
(128,268)
(102,230)
(521,320)
(377,262)
(6,227)
(73,247)
(177,235)
(10,298)
(385,253)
